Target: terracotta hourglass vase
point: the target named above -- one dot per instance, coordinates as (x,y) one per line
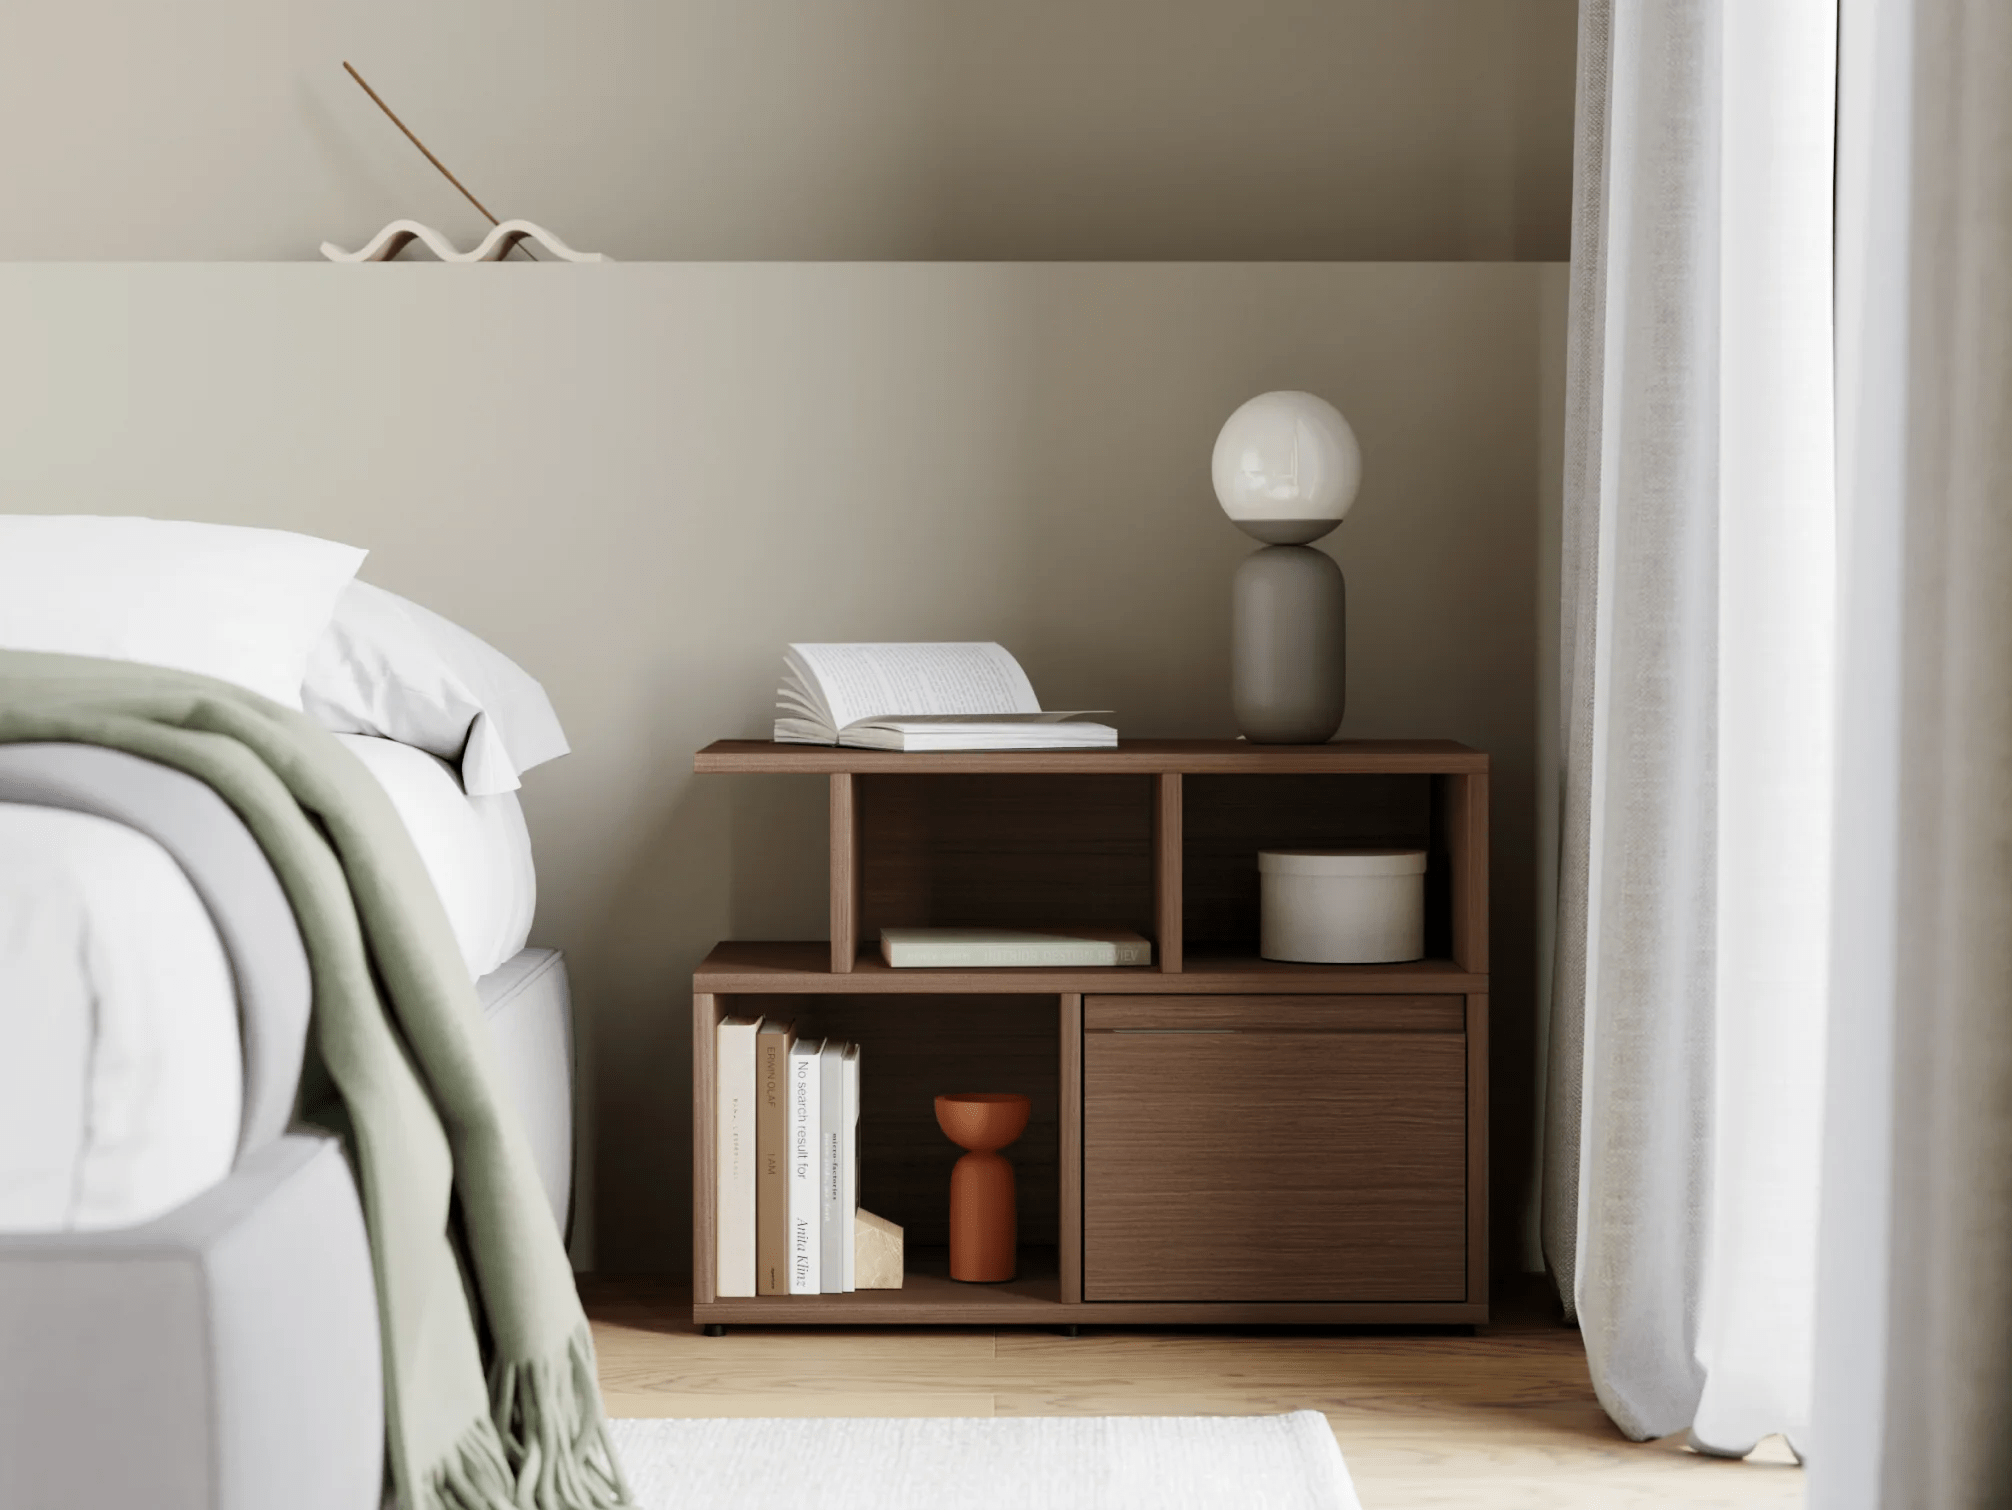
(984,1212)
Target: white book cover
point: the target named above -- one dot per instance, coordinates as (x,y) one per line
(830,1165)
(848,1188)
(1012,948)
(1037,731)
(734,1157)
(805,1237)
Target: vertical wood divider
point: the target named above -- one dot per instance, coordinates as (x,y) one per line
(1467,847)
(705,1167)
(1167,869)
(1069,1114)
(1477,1150)
(845,868)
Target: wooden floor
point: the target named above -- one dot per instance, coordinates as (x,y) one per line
(1503,1419)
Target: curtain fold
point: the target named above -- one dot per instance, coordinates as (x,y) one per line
(1686,1036)
(1915,1340)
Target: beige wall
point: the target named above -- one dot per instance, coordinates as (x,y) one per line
(642,481)
(739,129)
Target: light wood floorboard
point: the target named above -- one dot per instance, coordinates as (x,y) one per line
(1500,1421)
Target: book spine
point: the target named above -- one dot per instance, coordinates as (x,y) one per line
(772,1164)
(831,1116)
(805,1247)
(734,1167)
(848,1192)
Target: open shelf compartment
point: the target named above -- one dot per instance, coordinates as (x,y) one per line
(1003,851)
(914,1047)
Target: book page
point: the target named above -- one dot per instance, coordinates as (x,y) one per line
(798,693)
(860,682)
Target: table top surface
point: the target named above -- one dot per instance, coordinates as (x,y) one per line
(1136,756)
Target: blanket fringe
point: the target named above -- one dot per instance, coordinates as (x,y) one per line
(545,1446)
(474,1477)
(555,1436)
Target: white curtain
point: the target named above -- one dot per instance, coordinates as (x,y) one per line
(1686,1031)
(1914,1347)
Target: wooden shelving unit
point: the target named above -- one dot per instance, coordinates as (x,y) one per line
(1217,1138)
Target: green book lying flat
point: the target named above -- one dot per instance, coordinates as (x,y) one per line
(1011,948)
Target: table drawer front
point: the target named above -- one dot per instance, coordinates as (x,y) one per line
(1280,1013)
(1285,1165)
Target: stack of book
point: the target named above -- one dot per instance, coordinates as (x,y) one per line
(788,1160)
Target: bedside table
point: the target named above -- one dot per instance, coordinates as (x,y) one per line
(1216,1138)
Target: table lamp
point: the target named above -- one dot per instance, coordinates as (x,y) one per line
(1286,468)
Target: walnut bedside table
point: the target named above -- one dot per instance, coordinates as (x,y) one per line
(1216,1138)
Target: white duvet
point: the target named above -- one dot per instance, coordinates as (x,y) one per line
(121,1077)
(121,1084)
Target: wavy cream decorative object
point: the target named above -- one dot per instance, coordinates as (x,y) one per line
(400,234)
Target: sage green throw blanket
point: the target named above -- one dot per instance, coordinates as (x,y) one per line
(398,1030)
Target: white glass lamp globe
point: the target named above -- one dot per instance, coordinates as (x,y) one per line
(1286,467)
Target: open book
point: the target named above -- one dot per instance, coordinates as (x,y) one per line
(921,697)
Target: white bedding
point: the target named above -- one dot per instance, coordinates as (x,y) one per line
(121,1072)
(476,848)
(121,1082)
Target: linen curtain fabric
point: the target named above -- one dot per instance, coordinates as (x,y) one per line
(1914,1348)
(1686,1027)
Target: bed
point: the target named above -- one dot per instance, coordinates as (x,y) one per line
(188,1311)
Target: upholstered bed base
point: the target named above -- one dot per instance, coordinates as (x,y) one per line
(225,1356)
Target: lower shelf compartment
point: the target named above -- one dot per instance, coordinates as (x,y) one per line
(929,1297)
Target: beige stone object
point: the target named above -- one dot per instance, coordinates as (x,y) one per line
(876,1251)
(494,247)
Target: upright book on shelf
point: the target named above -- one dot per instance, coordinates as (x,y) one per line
(832,1230)
(848,1185)
(921,697)
(806,1245)
(772,1046)
(734,1156)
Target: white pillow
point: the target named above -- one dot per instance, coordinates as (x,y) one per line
(476,849)
(243,605)
(388,667)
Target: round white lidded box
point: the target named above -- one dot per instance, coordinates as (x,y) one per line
(1342,906)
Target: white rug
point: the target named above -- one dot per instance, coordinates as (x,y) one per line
(988,1463)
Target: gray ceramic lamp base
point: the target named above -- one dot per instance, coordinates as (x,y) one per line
(1288,646)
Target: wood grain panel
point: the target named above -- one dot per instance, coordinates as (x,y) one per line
(1228,819)
(706,1015)
(1277,1013)
(1478,1267)
(1069,1242)
(1005,852)
(797,967)
(930,1300)
(915,1048)
(1143,756)
(845,867)
(1466,843)
(1033,1297)
(1167,930)
(1287,1167)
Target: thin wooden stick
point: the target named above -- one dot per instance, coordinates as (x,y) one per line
(379,102)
